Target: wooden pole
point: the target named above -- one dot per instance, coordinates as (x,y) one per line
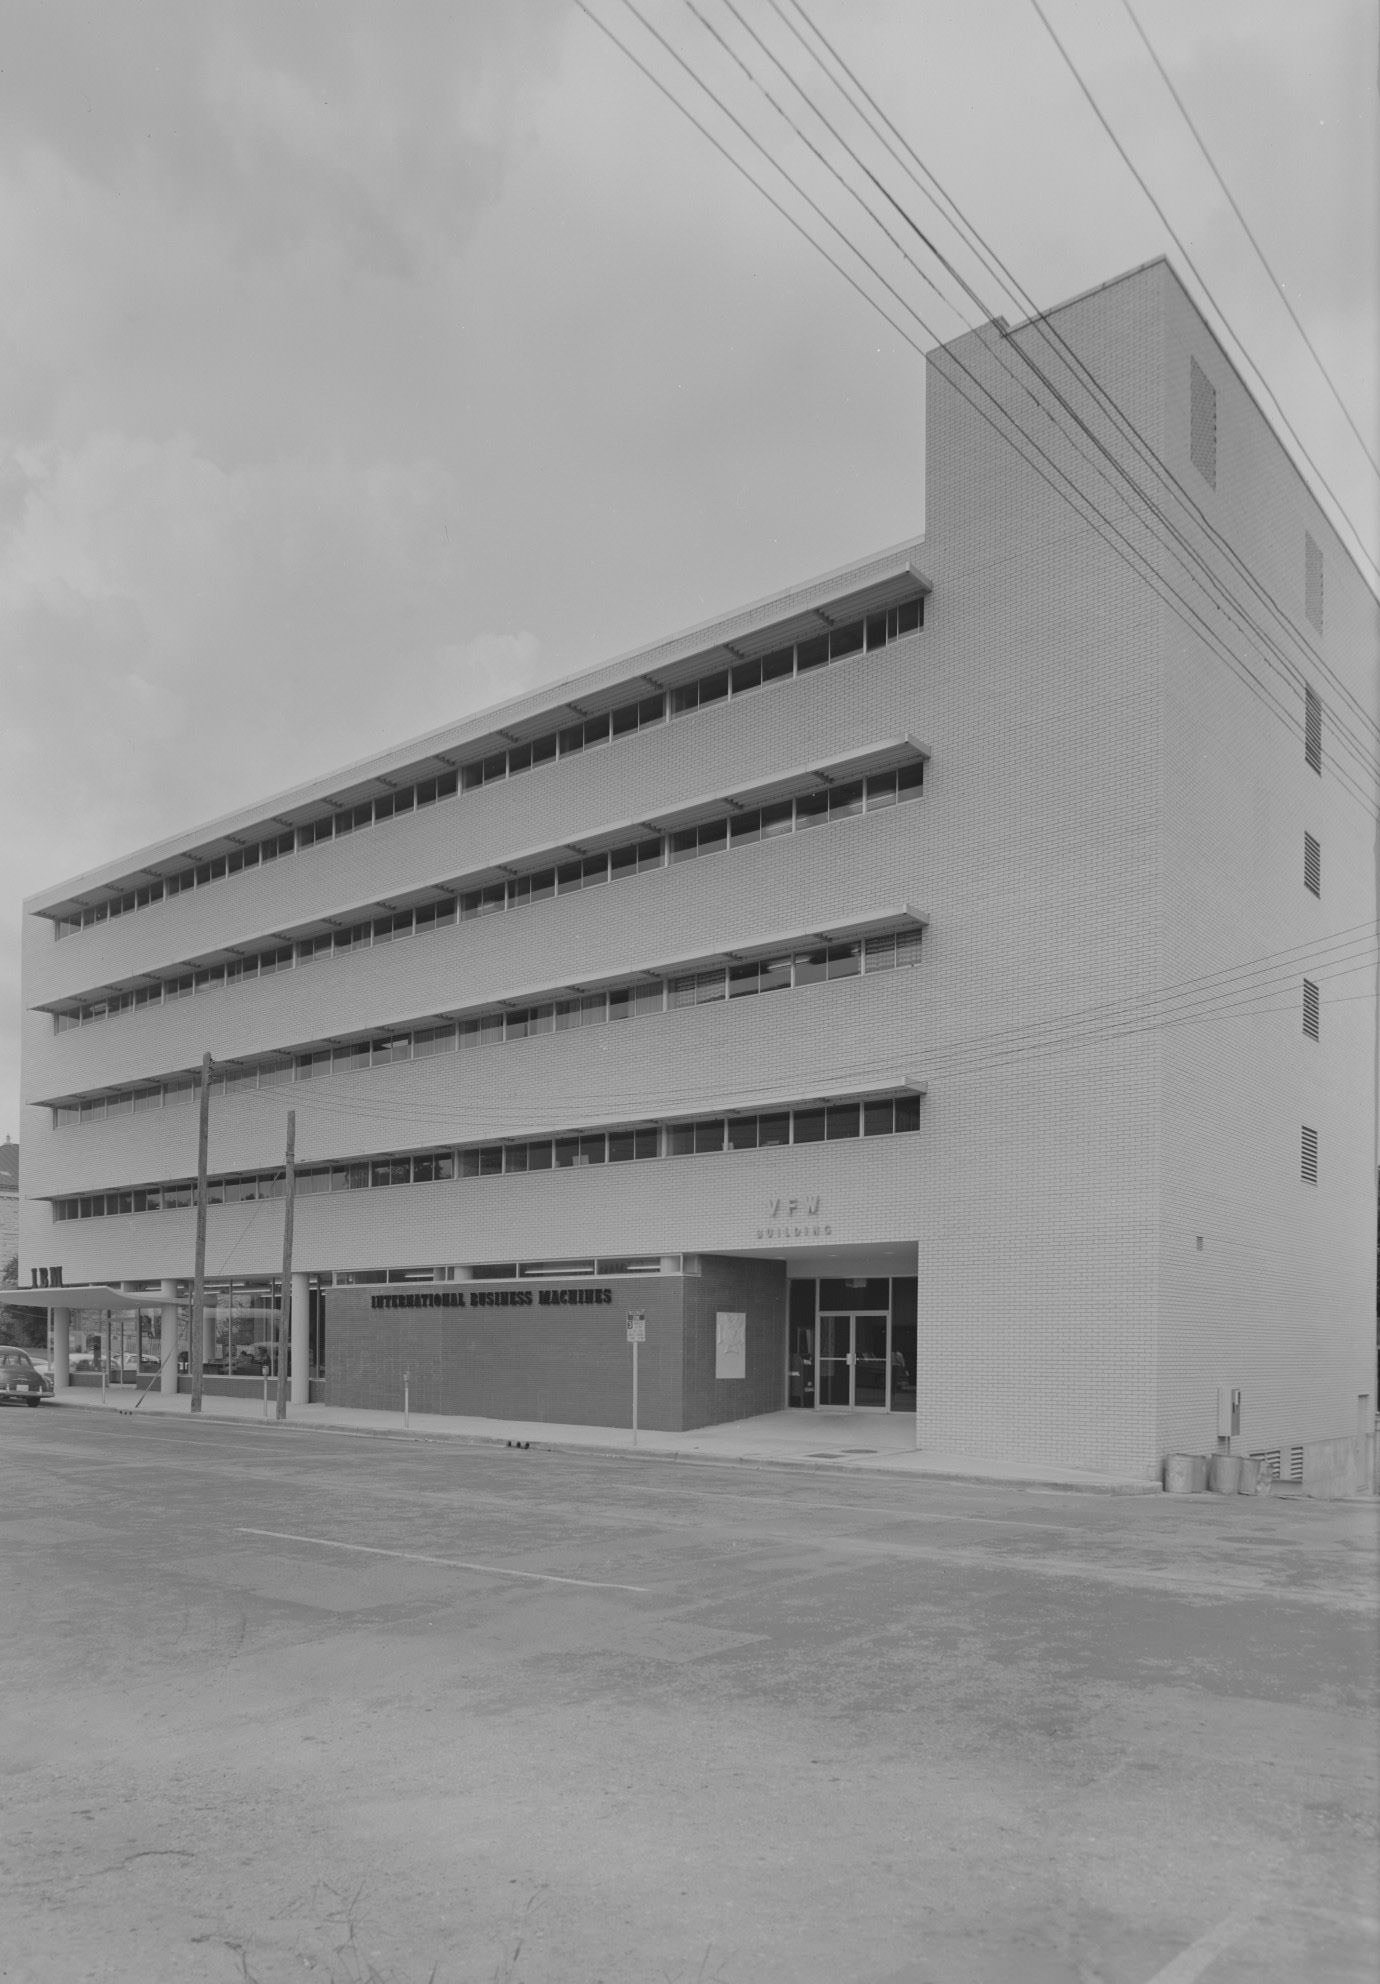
(285,1305)
(195,1340)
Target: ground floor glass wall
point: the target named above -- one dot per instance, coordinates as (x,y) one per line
(852,1343)
(239,1334)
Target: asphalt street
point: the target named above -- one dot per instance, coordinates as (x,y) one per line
(286,1704)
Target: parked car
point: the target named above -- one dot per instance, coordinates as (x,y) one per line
(18,1378)
(254,1363)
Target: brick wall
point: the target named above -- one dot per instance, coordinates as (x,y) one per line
(566,1365)
(756,1289)
(1280,1299)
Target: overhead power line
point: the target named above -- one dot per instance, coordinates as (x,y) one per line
(1182,550)
(1223,319)
(880,127)
(738,166)
(1247,231)
(1007,423)
(1230,991)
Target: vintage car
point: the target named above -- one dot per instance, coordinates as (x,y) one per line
(19,1379)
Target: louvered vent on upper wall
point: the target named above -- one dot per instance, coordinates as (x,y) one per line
(1312,581)
(1312,729)
(1312,864)
(1202,423)
(1311,1013)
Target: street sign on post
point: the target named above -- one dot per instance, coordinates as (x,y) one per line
(637,1333)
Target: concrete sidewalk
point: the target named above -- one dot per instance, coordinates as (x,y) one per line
(865,1442)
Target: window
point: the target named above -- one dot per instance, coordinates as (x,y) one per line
(1312,581)
(1202,423)
(1312,730)
(907,1113)
(846,640)
(1309,1166)
(697,1137)
(818,808)
(1311,1014)
(812,810)
(845,800)
(433,1040)
(1312,864)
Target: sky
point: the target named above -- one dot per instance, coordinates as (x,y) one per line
(362,365)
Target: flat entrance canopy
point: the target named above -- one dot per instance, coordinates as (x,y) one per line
(99,1297)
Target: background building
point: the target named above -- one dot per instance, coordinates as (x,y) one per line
(915,990)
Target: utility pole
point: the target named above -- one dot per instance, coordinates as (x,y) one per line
(285,1305)
(194,1334)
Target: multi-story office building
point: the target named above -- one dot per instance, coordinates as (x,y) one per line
(917,991)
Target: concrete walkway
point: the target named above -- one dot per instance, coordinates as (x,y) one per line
(868,1442)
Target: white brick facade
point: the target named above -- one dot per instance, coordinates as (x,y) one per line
(1107,812)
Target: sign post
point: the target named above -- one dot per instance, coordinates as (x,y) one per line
(637,1333)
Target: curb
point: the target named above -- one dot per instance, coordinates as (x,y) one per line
(685,1457)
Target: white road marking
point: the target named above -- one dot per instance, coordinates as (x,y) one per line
(446,1563)
(1190,1964)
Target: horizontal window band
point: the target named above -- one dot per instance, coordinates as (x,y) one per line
(834,1119)
(835,793)
(439,778)
(874,944)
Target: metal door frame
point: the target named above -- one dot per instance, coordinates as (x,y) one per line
(836,1315)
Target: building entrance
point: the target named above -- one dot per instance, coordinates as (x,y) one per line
(852,1344)
(853,1360)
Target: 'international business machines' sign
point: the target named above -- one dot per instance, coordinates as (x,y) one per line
(493,1298)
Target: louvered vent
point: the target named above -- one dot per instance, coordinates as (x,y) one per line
(1310,1009)
(1312,581)
(1202,422)
(1309,1168)
(1312,864)
(1281,1464)
(1312,729)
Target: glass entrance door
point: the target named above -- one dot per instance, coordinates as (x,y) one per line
(853,1361)
(870,1361)
(835,1360)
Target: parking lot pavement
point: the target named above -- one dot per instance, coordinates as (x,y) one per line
(285,1704)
